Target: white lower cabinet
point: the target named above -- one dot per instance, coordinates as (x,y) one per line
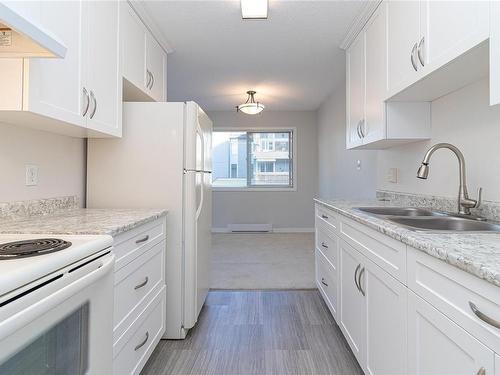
(437,346)
(425,328)
(140,295)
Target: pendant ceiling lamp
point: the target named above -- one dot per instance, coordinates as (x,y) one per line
(250,107)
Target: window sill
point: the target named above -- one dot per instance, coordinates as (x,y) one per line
(255,189)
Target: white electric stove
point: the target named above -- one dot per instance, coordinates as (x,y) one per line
(56,301)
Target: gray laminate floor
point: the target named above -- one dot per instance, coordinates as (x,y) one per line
(258,333)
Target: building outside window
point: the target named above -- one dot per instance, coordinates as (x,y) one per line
(252,159)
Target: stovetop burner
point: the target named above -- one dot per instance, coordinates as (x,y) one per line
(30,248)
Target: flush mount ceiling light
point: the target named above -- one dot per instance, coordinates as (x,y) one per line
(250,107)
(253,9)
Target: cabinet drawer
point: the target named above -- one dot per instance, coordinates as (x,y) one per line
(326,280)
(129,245)
(134,285)
(451,291)
(382,250)
(133,350)
(326,216)
(327,243)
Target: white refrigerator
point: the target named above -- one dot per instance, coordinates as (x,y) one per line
(163,160)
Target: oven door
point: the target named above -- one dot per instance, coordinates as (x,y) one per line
(63,324)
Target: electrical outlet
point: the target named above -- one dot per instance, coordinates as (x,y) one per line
(31,175)
(358,165)
(392,175)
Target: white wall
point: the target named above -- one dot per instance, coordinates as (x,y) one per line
(60,159)
(464,119)
(292,209)
(338,175)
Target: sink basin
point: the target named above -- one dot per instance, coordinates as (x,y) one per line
(445,224)
(399,211)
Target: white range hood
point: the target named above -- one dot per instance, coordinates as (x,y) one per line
(19,37)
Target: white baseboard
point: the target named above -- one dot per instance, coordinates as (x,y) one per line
(275,230)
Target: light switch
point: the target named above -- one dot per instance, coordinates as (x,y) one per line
(31,175)
(392,175)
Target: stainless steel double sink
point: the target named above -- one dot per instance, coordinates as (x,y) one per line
(419,219)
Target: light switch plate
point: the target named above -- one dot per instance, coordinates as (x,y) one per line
(31,175)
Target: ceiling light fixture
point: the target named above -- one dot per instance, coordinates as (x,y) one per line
(250,107)
(253,9)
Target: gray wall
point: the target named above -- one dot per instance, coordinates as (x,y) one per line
(60,159)
(282,209)
(337,167)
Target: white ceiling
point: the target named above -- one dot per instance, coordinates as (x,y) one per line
(292,59)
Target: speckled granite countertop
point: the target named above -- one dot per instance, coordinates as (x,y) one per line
(476,253)
(82,221)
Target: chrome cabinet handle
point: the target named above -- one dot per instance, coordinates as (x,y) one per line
(139,286)
(485,318)
(359,280)
(412,57)
(482,371)
(419,51)
(152,81)
(86,93)
(142,343)
(143,239)
(148,74)
(323,281)
(358,129)
(361,128)
(356,276)
(95,104)
(324,216)
(324,245)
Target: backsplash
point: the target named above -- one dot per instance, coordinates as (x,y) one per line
(489,210)
(37,207)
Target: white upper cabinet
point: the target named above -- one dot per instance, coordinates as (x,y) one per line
(102,71)
(495,57)
(425,36)
(450,28)
(403,35)
(156,66)
(143,60)
(79,95)
(371,122)
(355,89)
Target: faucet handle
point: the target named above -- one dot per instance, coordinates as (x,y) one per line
(479,197)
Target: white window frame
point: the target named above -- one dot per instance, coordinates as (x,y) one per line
(294,160)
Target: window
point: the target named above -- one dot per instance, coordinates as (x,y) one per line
(252,159)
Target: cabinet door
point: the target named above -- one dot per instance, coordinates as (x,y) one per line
(133,43)
(355,86)
(437,346)
(450,28)
(497,364)
(156,60)
(55,85)
(403,33)
(103,76)
(374,126)
(386,324)
(351,300)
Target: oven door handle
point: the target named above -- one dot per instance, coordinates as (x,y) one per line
(18,321)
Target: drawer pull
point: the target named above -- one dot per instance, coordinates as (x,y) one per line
(139,286)
(323,281)
(359,280)
(356,276)
(484,317)
(324,245)
(482,371)
(143,239)
(143,342)
(324,216)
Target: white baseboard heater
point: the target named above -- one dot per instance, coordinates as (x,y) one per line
(250,228)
